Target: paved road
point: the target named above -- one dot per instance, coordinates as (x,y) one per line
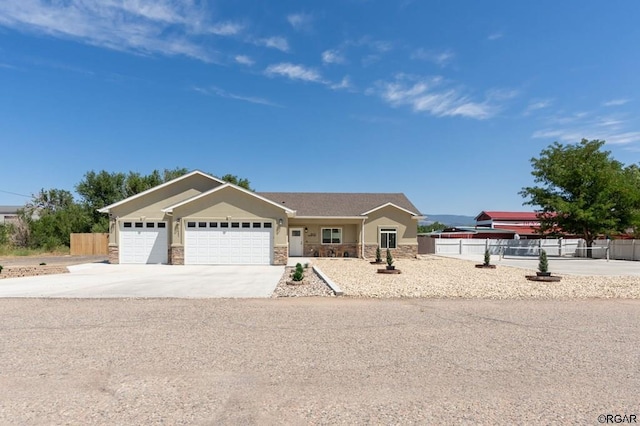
(100,280)
(310,361)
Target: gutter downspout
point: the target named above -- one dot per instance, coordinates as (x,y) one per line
(362,237)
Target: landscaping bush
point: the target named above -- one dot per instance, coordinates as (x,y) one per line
(1,267)
(389,258)
(297,275)
(378,257)
(487,257)
(543,263)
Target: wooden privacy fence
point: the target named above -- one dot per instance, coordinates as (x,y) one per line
(89,244)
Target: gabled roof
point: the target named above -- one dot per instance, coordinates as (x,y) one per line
(221,187)
(392,205)
(338,204)
(526,216)
(155,188)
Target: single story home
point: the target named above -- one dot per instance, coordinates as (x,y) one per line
(9,214)
(200,219)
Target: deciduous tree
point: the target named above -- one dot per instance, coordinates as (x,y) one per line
(583,191)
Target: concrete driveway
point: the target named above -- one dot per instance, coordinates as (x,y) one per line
(99,280)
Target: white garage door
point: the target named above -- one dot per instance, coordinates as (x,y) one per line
(228,243)
(143,242)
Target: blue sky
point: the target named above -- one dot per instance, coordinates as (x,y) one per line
(445,101)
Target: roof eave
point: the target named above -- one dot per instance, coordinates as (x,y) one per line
(221,187)
(106,209)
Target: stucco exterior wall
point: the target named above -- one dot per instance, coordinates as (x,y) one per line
(149,206)
(230,205)
(391,217)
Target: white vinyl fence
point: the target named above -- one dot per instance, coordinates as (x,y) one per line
(553,247)
(601,249)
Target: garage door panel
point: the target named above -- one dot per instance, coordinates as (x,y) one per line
(235,245)
(143,245)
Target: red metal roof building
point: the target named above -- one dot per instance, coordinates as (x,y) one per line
(524,224)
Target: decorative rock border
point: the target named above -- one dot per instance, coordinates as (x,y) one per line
(389,271)
(549,279)
(31,271)
(483,266)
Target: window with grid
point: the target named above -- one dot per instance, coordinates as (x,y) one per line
(388,238)
(331,236)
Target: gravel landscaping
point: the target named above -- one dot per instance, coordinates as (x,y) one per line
(444,278)
(313,285)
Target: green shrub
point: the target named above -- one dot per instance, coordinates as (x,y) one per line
(1,268)
(487,257)
(389,258)
(298,275)
(543,263)
(42,264)
(378,256)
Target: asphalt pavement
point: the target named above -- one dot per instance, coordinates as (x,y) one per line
(318,361)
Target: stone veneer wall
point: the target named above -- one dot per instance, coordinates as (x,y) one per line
(280,255)
(176,255)
(404,251)
(114,254)
(332,250)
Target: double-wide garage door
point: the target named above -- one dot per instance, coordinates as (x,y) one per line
(143,242)
(228,243)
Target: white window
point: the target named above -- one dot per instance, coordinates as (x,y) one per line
(388,238)
(331,235)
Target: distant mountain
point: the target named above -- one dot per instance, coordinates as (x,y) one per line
(449,220)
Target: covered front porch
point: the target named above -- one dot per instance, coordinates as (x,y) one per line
(326,237)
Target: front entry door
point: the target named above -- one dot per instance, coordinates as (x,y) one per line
(295,242)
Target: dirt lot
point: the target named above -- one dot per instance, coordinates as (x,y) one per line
(319,360)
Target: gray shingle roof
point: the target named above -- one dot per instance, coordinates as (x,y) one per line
(337,203)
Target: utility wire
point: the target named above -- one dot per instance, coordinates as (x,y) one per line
(15,193)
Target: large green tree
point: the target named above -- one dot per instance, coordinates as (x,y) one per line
(50,217)
(583,191)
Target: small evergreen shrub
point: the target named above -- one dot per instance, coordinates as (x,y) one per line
(389,258)
(543,263)
(42,264)
(1,267)
(297,275)
(487,257)
(378,256)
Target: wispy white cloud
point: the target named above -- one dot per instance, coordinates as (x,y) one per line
(332,57)
(615,102)
(536,105)
(244,60)
(441,58)
(143,26)
(433,96)
(495,36)
(275,42)
(345,83)
(571,128)
(226,28)
(294,72)
(300,21)
(306,74)
(216,91)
